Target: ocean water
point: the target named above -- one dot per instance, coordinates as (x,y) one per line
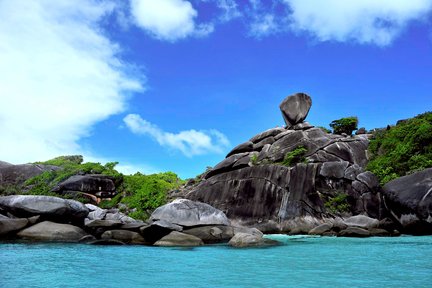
(300,261)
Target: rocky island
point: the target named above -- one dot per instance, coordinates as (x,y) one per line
(297,179)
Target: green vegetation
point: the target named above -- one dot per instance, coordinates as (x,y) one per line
(295,156)
(254,159)
(140,193)
(402,149)
(344,125)
(337,203)
(144,193)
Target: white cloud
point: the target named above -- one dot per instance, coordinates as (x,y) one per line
(190,142)
(263,25)
(364,21)
(168,19)
(230,10)
(59,75)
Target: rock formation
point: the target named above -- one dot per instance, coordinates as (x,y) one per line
(253,186)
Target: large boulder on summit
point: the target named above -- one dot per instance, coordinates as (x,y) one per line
(17,174)
(50,231)
(295,108)
(409,200)
(49,208)
(185,212)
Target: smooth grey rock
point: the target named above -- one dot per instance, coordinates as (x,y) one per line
(87,239)
(225,165)
(295,108)
(11,225)
(185,212)
(50,231)
(258,146)
(362,221)
(96,213)
(179,239)
(33,220)
(302,126)
(241,148)
(321,229)
(244,161)
(409,200)
(354,232)
(360,187)
(102,223)
(369,179)
(334,169)
(158,229)
(125,236)
(353,151)
(47,207)
(352,171)
(212,234)
(102,185)
(248,230)
(18,174)
(244,240)
(379,232)
(268,133)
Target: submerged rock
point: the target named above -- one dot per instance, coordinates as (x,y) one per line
(179,239)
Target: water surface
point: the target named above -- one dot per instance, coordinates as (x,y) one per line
(300,262)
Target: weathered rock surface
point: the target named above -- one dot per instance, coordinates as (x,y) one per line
(212,234)
(17,174)
(409,199)
(243,240)
(50,231)
(295,108)
(99,185)
(179,239)
(361,221)
(102,223)
(124,236)
(185,212)
(244,147)
(11,225)
(354,232)
(47,207)
(321,229)
(158,229)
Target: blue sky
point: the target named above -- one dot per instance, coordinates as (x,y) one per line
(164,85)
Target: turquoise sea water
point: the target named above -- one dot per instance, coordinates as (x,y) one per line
(300,262)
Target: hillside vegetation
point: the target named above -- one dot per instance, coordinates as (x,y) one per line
(138,194)
(402,149)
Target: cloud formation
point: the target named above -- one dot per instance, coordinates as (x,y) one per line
(362,21)
(190,142)
(59,75)
(168,19)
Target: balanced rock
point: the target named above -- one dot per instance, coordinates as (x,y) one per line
(409,198)
(50,231)
(185,212)
(295,108)
(47,207)
(179,239)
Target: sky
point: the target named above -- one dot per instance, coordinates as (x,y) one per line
(174,85)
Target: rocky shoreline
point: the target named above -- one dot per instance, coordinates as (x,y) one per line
(297,179)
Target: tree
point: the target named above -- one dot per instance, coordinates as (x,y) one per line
(344,125)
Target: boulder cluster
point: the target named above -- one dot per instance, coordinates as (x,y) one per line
(180,223)
(255,187)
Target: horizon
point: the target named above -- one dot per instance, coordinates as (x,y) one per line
(174,85)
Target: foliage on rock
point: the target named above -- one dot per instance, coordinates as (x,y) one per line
(295,156)
(344,125)
(402,149)
(337,203)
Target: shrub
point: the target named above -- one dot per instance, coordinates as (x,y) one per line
(402,149)
(295,156)
(337,203)
(254,159)
(344,125)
